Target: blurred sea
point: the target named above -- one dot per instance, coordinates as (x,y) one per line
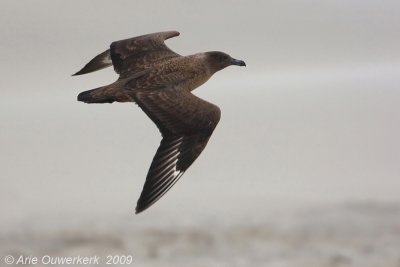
(363,234)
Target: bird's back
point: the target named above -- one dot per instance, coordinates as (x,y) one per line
(190,70)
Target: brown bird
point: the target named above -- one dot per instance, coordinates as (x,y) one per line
(160,81)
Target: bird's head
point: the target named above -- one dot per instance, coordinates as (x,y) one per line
(219,60)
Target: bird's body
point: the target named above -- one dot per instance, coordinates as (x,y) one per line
(160,82)
(190,70)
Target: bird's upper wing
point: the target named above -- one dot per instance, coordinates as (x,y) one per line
(186,123)
(101,61)
(138,53)
(133,55)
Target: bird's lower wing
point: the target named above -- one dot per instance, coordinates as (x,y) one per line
(186,123)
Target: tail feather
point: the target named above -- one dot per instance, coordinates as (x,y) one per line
(97,95)
(106,94)
(99,62)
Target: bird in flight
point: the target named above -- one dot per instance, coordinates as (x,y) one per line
(160,82)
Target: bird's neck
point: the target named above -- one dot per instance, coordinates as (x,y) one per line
(200,70)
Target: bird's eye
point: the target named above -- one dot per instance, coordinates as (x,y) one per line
(222,57)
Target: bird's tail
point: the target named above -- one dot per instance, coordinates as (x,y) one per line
(95,96)
(105,94)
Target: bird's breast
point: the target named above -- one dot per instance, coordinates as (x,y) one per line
(198,80)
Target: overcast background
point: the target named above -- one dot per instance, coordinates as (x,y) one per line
(311,122)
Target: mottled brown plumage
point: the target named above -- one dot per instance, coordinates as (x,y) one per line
(160,81)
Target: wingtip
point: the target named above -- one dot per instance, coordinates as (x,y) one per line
(142,206)
(77,73)
(170,34)
(101,61)
(139,209)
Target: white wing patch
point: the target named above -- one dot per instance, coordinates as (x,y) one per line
(166,173)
